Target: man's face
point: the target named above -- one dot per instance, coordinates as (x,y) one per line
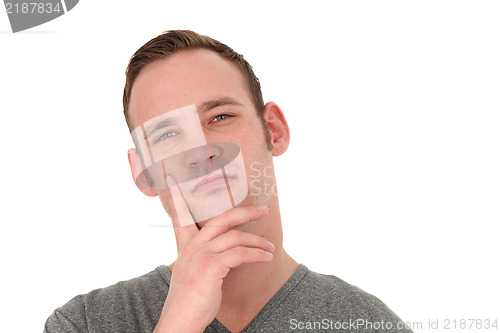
(226,115)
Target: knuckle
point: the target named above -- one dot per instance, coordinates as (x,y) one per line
(204,257)
(240,251)
(236,235)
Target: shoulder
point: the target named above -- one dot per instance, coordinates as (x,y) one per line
(328,297)
(147,286)
(114,303)
(152,282)
(333,291)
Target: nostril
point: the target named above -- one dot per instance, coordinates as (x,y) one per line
(199,158)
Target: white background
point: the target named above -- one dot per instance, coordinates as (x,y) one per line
(391,181)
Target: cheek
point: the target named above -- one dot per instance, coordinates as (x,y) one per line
(256,158)
(255,149)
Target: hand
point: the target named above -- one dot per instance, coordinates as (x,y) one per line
(205,258)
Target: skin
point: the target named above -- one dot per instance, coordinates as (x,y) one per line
(231,265)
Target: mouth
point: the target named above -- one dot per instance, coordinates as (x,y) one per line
(209,183)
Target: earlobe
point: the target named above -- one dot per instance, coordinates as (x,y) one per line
(278,128)
(137,173)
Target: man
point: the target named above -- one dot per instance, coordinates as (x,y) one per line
(188,100)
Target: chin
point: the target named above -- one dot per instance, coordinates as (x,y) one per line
(248,201)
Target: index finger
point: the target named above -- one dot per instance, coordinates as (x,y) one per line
(184,224)
(232,218)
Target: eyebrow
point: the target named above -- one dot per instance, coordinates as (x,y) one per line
(159,125)
(209,105)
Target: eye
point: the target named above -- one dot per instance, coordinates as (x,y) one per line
(166,136)
(221,117)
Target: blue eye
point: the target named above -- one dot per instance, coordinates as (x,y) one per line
(221,117)
(166,136)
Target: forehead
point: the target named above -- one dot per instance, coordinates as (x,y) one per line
(185,78)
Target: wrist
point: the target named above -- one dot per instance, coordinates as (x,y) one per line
(176,324)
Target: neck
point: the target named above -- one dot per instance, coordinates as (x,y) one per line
(248,288)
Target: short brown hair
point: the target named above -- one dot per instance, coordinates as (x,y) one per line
(168,43)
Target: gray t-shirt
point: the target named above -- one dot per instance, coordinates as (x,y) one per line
(307,302)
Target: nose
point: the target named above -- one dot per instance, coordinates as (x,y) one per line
(201,157)
(196,156)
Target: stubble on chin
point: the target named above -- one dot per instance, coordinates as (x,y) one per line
(248,201)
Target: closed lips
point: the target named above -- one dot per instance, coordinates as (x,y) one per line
(208,182)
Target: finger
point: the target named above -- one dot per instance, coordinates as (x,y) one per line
(184,225)
(232,218)
(243,255)
(235,238)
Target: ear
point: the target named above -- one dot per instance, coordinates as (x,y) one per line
(278,128)
(137,173)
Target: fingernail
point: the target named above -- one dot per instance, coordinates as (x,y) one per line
(170,181)
(262,207)
(271,244)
